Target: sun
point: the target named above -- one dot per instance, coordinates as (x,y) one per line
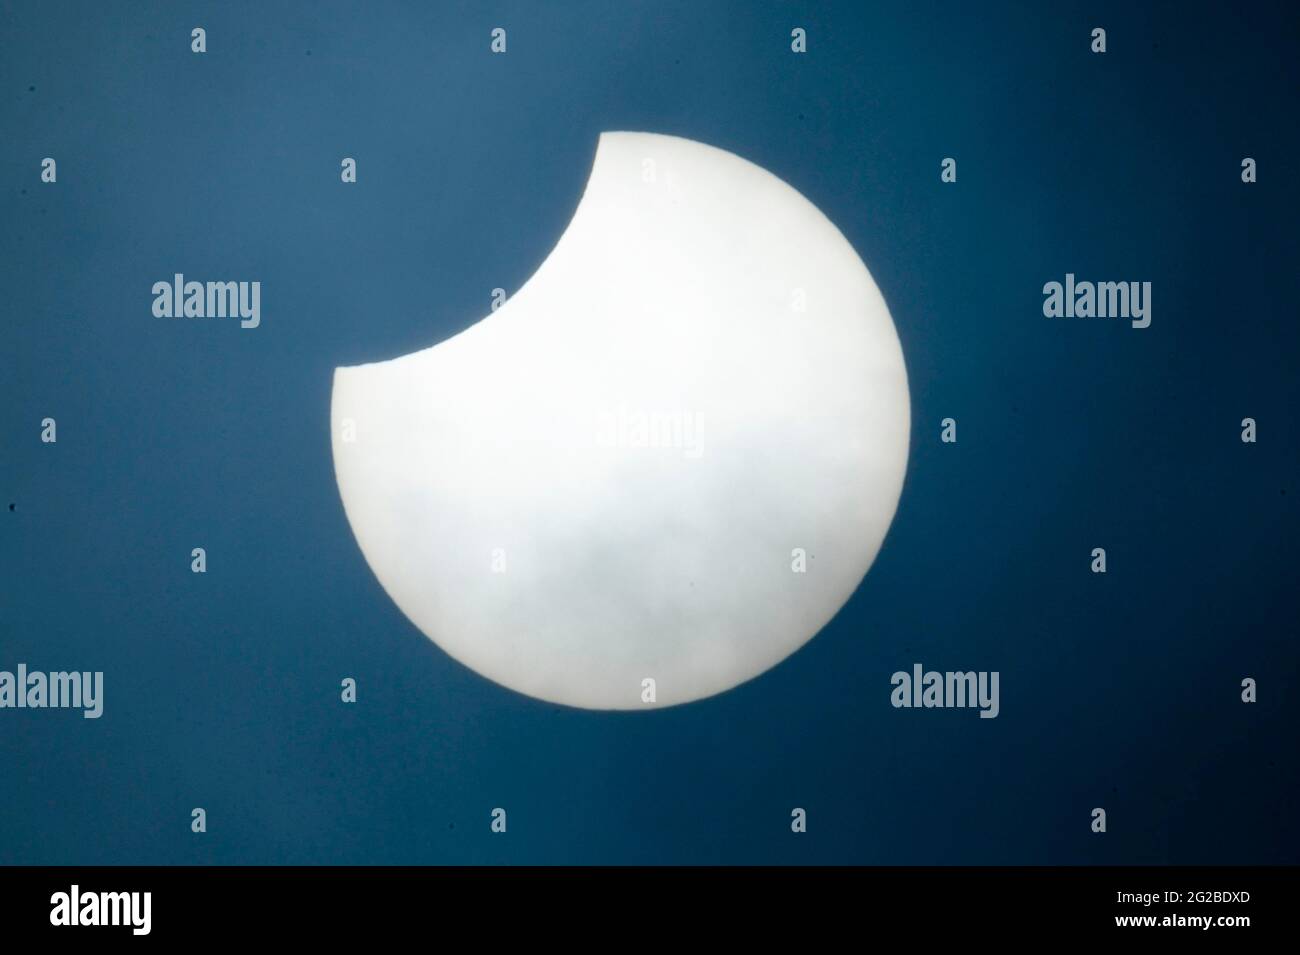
(610,478)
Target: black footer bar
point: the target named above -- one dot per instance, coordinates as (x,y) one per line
(376,903)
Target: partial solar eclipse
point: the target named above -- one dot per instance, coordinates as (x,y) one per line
(661,466)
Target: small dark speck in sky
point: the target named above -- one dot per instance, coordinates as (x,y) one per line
(11,506)
(31,89)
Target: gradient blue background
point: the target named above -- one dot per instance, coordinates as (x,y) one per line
(222,690)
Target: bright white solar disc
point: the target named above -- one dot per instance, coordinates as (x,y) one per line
(607,479)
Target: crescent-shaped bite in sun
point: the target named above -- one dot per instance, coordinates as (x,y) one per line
(670,457)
